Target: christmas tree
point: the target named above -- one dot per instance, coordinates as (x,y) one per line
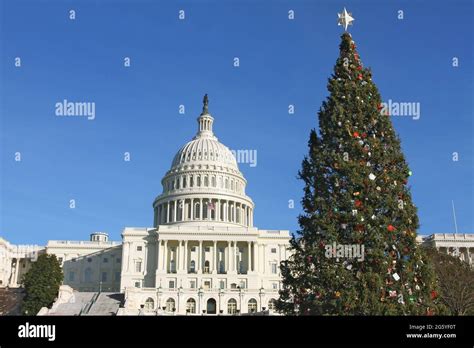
(356,253)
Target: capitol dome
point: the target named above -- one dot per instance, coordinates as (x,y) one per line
(204,183)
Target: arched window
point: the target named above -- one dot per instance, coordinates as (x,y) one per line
(206,266)
(271,304)
(170,305)
(198,181)
(197,209)
(184,182)
(252,305)
(191,181)
(206,181)
(232,306)
(191,306)
(149,304)
(192,268)
(213,181)
(226,183)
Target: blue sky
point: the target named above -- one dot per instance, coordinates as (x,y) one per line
(175,62)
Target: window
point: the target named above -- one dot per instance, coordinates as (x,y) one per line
(198,181)
(221,267)
(207,284)
(138,284)
(73,259)
(242,284)
(232,306)
(193,248)
(88,275)
(71,276)
(106,260)
(207,249)
(104,276)
(222,284)
(118,260)
(191,306)
(206,267)
(275,286)
(193,267)
(213,180)
(170,305)
(233,286)
(206,181)
(241,267)
(192,284)
(274,250)
(171,284)
(149,304)
(59,259)
(271,304)
(252,305)
(139,248)
(274,268)
(117,276)
(138,266)
(89,259)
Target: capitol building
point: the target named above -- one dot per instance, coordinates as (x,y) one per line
(203,254)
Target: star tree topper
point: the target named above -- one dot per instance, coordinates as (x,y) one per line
(345,19)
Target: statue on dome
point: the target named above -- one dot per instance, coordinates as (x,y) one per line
(206,103)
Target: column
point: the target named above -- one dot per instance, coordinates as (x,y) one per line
(192,208)
(249,267)
(218,215)
(256,262)
(165,257)
(158,253)
(175,210)
(227,261)
(200,208)
(235,212)
(167,212)
(186,256)
(214,256)
(263,258)
(184,212)
(199,265)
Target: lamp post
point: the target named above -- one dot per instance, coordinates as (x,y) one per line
(261,293)
(159,292)
(240,298)
(180,291)
(221,292)
(200,292)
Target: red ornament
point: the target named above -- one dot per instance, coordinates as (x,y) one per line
(380,107)
(358,203)
(364,135)
(359,68)
(434,294)
(390,228)
(356,134)
(359,77)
